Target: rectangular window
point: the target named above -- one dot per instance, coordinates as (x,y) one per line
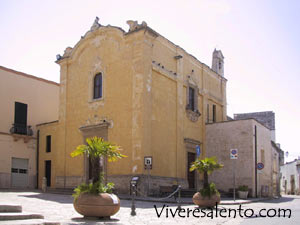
(14,170)
(207,116)
(48,143)
(214,114)
(20,124)
(191,98)
(23,171)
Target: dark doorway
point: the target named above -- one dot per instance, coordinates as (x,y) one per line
(292,184)
(48,172)
(191,175)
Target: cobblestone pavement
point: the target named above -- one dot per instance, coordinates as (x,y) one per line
(59,208)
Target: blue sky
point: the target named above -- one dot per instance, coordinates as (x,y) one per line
(259,39)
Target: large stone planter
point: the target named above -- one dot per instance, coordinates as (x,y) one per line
(243,194)
(206,201)
(101,205)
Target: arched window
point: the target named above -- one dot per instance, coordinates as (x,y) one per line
(98,86)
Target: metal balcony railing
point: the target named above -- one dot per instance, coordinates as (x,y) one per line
(21,129)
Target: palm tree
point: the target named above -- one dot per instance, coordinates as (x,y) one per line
(205,166)
(96,148)
(92,199)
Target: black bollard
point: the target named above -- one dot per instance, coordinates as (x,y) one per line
(179,197)
(133,213)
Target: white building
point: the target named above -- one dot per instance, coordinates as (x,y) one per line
(290,177)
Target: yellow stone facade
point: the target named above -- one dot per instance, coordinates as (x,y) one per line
(146,80)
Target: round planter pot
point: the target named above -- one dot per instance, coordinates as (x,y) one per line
(101,205)
(206,201)
(243,194)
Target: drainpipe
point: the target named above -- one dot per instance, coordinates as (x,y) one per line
(37,157)
(66,109)
(255,156)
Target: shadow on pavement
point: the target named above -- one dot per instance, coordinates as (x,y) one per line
(147,205)
(68,199)
(82,220)
(279,200)
(63,199)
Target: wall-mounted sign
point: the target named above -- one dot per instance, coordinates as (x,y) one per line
(198,150)
(148,162)
(260,166)
(233,153)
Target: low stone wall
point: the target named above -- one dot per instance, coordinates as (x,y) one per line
(68,182)
(122,183)
(5,180)
(32,181)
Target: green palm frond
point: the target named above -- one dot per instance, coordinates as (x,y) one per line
(97,147)
(80,150)
(206,165)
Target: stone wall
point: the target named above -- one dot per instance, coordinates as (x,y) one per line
(266,118)
(239,134)
(122,183)
(68,182)
(5,180)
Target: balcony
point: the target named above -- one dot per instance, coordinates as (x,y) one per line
(21,131)
(192,113)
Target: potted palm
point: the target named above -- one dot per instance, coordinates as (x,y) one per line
(208,196)
(243,191)
(96,199)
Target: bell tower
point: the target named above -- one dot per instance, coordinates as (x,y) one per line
(218,62)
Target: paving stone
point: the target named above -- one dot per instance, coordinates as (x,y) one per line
(29,222)
(58,208)
(10,208)
(19,216)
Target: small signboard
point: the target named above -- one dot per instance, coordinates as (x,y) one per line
(260,166)
(233,153)
(148,162)
(198,150)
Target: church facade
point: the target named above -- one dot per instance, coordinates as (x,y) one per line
(138,90)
